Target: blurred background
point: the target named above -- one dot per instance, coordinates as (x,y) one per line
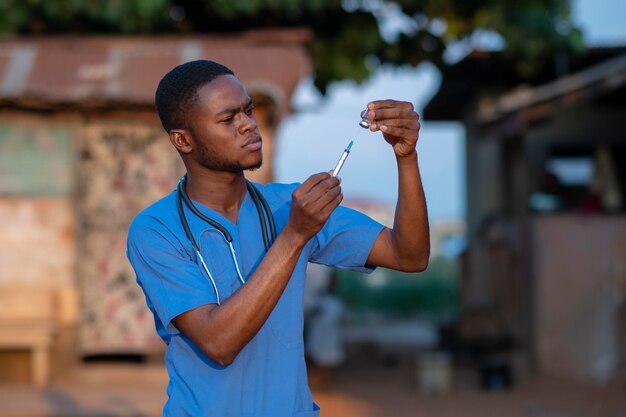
(522,311)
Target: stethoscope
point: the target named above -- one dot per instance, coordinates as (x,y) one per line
(265,218)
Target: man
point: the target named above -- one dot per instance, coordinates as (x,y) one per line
(228,307)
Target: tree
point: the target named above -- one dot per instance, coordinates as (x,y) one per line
(348,37)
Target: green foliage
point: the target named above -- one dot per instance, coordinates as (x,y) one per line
(340,46)
(432,292)
(82,16)
(535,31)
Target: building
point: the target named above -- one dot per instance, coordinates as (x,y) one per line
(545,269)
(81,152)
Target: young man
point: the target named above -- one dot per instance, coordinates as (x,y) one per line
(227,304)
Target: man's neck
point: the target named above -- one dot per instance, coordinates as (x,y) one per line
(220,191)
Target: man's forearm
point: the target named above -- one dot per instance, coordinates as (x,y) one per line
(221,331)
(410,234)
(405,247)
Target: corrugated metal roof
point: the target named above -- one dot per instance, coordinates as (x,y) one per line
(607,76)
(493,74)
(106,70)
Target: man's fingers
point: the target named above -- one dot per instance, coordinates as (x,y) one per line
(311,198)
(387,104)
(328,203)
(324,185)
(313,180)
(311,208)
(398,132)
(314,189)
(327,198)
(409,124)
(395,113)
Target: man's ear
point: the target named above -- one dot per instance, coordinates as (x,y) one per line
(181,140)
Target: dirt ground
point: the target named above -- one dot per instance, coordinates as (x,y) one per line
(386,392)
(133,390)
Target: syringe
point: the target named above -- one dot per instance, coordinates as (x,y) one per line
(342,160)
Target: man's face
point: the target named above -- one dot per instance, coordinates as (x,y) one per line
(223,127)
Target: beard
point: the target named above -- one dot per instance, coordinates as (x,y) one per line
(210,159)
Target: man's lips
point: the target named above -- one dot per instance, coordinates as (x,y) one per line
(254,144)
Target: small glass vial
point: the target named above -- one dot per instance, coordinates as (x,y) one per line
(364,123)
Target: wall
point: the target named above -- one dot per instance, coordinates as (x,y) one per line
(579,274)
(123,166)
(37,225)
(70,184)
(36,180)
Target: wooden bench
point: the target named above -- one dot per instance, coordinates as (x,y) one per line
(28,321)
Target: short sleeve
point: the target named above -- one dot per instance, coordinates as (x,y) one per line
(346,240)
(171,279)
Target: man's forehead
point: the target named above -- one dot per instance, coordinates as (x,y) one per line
(224,90)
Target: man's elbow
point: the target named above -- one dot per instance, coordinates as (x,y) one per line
(224,360)
(416,266)
(219,354)
(422,264)
(417,263)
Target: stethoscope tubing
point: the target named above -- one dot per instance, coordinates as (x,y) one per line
(265,217)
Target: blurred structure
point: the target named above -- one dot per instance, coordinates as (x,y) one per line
(544,277)
(397,319)
(324,344)
(81,152)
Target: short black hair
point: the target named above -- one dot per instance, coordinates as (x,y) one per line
(178,90)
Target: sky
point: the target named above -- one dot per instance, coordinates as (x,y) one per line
(314,136)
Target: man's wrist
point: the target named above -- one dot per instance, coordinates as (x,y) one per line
(411,156)
(296,240)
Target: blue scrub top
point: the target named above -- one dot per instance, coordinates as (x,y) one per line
(268,377)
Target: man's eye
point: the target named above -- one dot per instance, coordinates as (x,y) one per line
(227,120)
(250,110)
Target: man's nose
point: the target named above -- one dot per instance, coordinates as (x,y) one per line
(248,123)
